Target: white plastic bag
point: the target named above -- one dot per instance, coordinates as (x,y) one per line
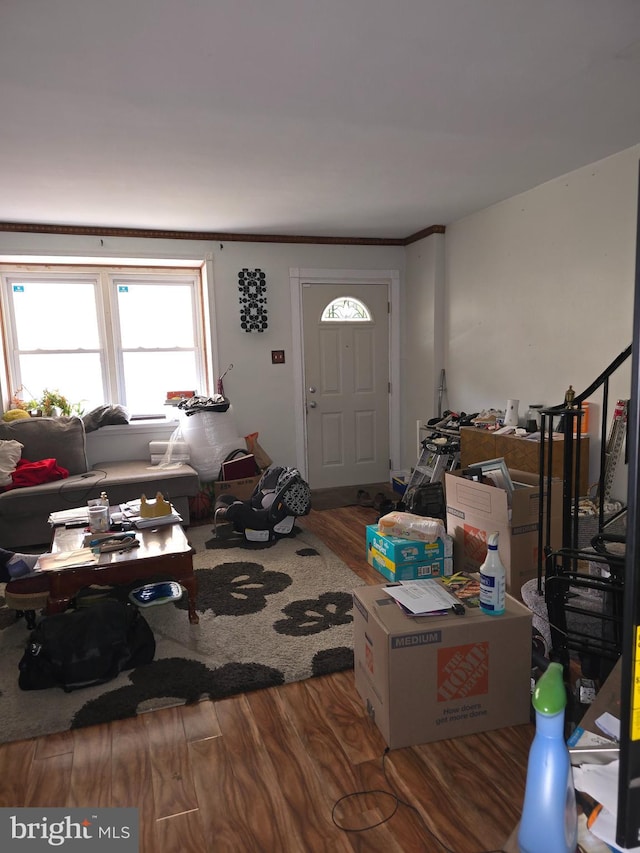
(174,455)
(211,437)
(409,526)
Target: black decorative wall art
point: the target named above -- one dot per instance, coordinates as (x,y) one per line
(252,285)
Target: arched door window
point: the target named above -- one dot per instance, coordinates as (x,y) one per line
(346,309)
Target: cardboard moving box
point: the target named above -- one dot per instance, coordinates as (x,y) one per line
(434,677)
(475,510)
(241,489)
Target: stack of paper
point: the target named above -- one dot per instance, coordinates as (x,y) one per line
(157,521)
(66,516)
(65,559)
(601,783)
(422,597)
(131,513)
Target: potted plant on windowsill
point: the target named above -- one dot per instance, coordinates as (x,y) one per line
(51,404)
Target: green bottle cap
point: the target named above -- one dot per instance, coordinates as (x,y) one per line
(550,695)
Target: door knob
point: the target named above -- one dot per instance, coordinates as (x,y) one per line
(312,389)
(312,404)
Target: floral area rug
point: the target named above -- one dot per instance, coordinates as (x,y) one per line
(269,614)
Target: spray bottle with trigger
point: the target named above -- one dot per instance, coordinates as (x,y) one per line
(492,580)
(549,822)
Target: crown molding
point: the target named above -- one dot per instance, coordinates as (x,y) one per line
(213,236)
(426,232)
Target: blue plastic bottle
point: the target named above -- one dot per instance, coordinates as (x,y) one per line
(549,818)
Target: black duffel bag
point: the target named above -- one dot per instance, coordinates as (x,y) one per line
(92,645)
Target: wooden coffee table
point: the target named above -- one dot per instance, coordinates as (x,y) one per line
(164,552)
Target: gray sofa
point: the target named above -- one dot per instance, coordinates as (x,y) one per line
(24,512)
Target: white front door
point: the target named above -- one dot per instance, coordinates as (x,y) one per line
(346,373)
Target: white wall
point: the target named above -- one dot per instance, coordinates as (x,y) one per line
(261,393)
(423,356)
(539,291)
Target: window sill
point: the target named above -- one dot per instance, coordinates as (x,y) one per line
(139,426)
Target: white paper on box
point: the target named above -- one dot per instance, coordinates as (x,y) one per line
(609,724)
(422,596)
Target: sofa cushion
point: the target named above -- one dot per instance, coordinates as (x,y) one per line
(24,513)
(62,439)
(10,453)
(122,481)
(127,480)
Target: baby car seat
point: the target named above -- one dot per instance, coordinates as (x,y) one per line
(280,497)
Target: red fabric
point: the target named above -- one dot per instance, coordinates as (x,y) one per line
(34,473)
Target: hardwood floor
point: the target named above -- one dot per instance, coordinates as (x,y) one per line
(264,770)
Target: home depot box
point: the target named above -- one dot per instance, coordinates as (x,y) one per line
(475,510)
(401,559)
(434,677)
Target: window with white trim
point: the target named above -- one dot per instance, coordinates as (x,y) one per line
(104,335)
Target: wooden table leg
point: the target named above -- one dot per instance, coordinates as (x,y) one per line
(190,585)
(57,604)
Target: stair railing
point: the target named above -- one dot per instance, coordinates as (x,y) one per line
(568,420)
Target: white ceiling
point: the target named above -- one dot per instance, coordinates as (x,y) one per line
(370,118)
